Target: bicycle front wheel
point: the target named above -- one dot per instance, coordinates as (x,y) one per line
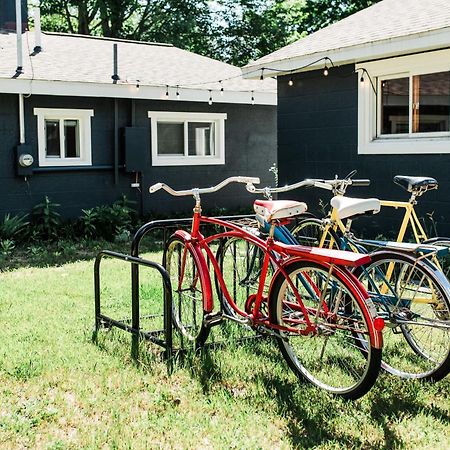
(187,291)
(332,358)
(416,309)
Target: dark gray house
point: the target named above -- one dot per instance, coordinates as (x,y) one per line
(382,106)
(88,119)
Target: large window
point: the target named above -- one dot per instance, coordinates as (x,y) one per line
(64,136)
(410,110)
(187,138)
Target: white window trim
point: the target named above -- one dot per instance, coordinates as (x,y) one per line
(84,117)
(369,141)
(179,160)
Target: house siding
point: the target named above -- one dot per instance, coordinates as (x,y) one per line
(318,138)
(250,149)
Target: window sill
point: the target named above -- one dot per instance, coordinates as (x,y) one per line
(187,161)
(403,146)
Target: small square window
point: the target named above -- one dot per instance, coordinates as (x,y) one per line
(64,136)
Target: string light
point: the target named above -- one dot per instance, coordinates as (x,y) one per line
(325,71)
(137,85)
(178,92)
(221,88)
(262,75)
(362,78)
(253,98)
(167,91)
(210,101)
(291,81)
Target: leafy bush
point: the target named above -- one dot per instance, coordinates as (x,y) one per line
(6,247)
(46,219)
(13,226)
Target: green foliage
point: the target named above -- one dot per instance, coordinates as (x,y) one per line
(46,219)
(234,31)
(7,247)
(13,226)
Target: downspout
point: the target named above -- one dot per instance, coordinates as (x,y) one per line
(19,36)
(37,30)
(21,120)
(116,141)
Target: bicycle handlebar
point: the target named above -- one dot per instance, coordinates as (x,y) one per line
(198,191)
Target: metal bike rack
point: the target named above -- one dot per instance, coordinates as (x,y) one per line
(164,337)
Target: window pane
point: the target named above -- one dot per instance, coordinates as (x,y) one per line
(72,139)
(431,102)
(52,138)
(170,138)
(395,106)
(201,139)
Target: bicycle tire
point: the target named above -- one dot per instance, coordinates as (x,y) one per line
(331,359)
(240,263)
(415,299)
(309,233)
(187,293)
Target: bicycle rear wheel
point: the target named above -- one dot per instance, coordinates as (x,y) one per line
(187,291)
(416,308)
(332,358)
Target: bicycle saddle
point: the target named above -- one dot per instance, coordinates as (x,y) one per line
(348,207)
(415,183)
(278,209)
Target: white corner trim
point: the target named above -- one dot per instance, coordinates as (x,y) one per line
(183,160)
(84,117)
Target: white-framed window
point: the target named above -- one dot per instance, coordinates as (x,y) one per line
(186,138)
(64,137)
(410,110)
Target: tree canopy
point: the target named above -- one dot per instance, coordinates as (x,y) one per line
(234,31)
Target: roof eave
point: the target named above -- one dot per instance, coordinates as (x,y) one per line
(414,43)
(80,89)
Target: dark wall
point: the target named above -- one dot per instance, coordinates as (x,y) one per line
(8,14)
(318,138)
(250,149)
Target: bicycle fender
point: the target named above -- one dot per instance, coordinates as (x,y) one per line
(202,267)
(353,285)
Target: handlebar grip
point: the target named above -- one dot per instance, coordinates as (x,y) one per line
(361,182)
(155,187)
(249,180)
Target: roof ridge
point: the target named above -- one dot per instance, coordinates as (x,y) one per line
(105,38)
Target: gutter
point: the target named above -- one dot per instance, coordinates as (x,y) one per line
(399,46)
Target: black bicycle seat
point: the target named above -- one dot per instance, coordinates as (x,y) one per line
(415,183)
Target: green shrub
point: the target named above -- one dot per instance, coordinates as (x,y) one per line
(46,219)
(13,227)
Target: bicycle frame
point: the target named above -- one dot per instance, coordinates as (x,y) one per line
(281,256)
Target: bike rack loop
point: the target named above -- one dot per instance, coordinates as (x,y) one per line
(136,261)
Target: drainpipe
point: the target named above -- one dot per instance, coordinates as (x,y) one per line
(21,120)
(19,36)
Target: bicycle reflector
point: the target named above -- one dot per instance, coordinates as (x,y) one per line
(378,324)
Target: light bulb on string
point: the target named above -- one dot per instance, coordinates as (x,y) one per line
(167,91)
(262,75)
(362,78)
(253,98)
(221,88)
(325,71)
(291,81)
(137,85)
(178,92)
(210,101)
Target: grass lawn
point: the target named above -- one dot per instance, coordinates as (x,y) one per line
(58,390)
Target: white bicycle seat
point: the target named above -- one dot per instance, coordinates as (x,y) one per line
(348,207)
(278,209)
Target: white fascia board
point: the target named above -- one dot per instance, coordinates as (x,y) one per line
(78,89)
(419,42)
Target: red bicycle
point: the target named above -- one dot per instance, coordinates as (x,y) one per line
(325,324)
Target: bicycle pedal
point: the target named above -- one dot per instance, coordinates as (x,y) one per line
(213,319)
